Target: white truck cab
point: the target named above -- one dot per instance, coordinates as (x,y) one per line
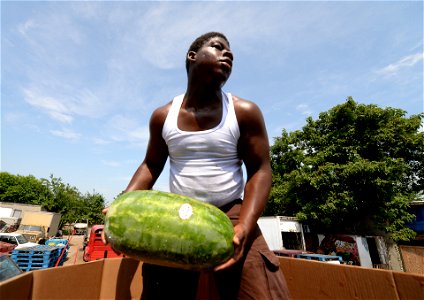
(16,239)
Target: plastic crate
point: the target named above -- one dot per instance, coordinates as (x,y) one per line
(57,242)
(36,250)
(37,257)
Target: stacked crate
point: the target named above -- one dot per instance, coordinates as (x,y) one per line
(37,257)
(58,243)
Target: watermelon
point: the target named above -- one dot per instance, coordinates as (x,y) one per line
(170,230)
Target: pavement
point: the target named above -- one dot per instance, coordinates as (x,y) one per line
(75,252)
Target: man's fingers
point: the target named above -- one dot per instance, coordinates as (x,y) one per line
(104,239)
(225,265)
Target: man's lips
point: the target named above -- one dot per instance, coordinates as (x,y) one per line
(227,61)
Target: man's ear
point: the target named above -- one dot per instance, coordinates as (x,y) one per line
(191,56)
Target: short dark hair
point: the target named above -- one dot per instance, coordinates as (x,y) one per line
(201,40)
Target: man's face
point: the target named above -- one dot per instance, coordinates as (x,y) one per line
(216,57)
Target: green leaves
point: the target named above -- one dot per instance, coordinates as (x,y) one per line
(22,189)
(343,171)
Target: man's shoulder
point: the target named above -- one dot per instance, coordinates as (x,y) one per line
(244,108)
(160,113)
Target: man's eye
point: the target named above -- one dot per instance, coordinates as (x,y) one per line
(217,46)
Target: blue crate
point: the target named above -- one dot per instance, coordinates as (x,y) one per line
(37,254)
(38,257)
(58,243)
(30,259)
(37,250)
(36,265)
(28,256)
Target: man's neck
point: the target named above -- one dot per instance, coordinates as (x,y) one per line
(201,96)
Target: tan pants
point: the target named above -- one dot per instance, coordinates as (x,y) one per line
(257,276)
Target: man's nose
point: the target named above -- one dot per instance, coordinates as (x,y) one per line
(228,53)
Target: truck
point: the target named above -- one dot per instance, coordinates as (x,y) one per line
(81,228)
(16,239)
(39,226)
(9,219)
(282,232)
(95,248)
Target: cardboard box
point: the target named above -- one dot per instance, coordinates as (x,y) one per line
(319,280)
(120,278)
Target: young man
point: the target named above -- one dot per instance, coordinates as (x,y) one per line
(208,134)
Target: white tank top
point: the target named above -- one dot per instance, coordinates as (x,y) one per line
(204,164)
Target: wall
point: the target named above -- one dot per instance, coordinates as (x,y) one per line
(20,206)
(394,256)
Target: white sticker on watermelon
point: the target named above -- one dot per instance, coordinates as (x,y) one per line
(185,211)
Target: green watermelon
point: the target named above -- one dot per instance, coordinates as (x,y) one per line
(169,229)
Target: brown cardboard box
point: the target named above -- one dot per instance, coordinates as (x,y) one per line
(120,278)
(113,278)
(317,280)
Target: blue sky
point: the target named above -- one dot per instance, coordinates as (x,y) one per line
(79,80)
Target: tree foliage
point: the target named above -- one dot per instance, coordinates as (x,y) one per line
(22,189)
(53,195)
(354,169)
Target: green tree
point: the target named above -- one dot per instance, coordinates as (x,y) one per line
(64,198)
(22,189)
(354,169)
(93,206)
(74,206)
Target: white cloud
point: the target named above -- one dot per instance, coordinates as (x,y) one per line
(62,103)
(404,62)
(79,75)
(86,103)
(66,133)
(152,38)
(52,106)
(111,163)
(100,141)
(23,28)
(304,109)
(122,128)
(13,117)
(61,117)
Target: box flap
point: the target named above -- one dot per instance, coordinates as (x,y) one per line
(19,287)
(68,282)
(309,279)
(409,286)
(121,279)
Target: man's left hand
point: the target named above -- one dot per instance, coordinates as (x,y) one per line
(239,241)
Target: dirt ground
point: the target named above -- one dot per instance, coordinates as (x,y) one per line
(75,252)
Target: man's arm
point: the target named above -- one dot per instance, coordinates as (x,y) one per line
(253,148)
(255,153)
